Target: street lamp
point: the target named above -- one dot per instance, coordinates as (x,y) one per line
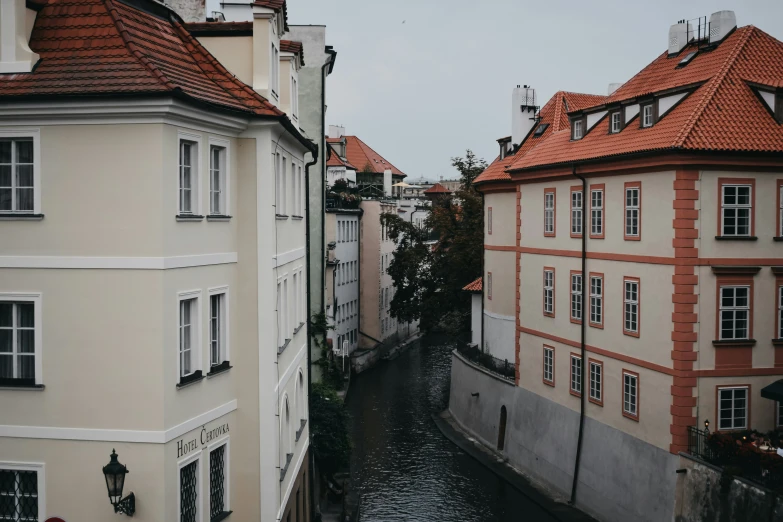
(115,480)
(707,425)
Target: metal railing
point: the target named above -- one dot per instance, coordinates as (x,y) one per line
(502,367)
(697,444)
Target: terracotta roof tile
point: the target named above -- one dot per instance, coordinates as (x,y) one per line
(221,28)
(336,161)
(437,188)
(475,286)
(290,46)
(362,156)
(275,5)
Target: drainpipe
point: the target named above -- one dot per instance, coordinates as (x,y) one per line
(483,283)
(584,324)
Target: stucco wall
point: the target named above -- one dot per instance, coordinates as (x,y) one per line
(234,52)
(504,226)
(502,265)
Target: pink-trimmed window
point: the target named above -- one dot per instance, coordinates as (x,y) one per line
(631,395)
(549,212)
(549,291)
(549,365)
(631,309)
(633,211)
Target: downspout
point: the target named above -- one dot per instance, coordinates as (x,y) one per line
(584,324)
(329,63)
(483,294)
(309,311)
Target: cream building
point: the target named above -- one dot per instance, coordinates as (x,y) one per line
(342,278)
(162,314)
(675,318)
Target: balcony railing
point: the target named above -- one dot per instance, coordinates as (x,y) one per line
(501,367)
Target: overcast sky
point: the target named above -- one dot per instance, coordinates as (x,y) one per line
(422,80)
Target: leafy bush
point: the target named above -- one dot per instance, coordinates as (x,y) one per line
(329,429)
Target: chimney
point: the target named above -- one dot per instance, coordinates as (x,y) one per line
(523,109)
(612,87)
(16,25)
(336,131)
(680,34)
(721,24)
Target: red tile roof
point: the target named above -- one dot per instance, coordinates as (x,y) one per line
(363,157)
(290,46)
(275,5)
(722,114)
(335,161)
(219,28)
(437,188)
(106,47)
(475,286)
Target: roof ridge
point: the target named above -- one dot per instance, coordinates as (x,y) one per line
(560,95)
(135,51)
(363,145)
(712,87)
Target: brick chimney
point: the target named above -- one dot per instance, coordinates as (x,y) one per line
(16,25)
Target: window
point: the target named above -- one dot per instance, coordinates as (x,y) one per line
(294,190)
(631,395)
(597,212)
(274,78)
(218,327)
(217,180)
(736,210)
(188,181)
(596,383)
(189,329)
(22,495)
(631,307)
(540,130)
(576,211)
(549,212)
(596,300)
(189,491)
(294,100)
(17,175)
(780,204)
(279,185)
(489,285)
(733,408)
(576,297)
(18,346)
(633,208)
(616,122)
(578,131)
(549,292)
(779,419)
(734,312)
(549,365)
(301,196)
(218,482)
(489,221)
(647,115)
(576,375)
(780,313)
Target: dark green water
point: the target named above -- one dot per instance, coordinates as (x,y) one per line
(402,467)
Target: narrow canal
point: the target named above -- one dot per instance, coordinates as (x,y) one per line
(402,467)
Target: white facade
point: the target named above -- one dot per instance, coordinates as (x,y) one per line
(343,307)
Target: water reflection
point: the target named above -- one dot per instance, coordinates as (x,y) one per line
(402,466)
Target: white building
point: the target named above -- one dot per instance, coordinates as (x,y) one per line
(342,306)
(164,314)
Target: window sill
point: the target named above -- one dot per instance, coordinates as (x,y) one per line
(6,385)
(281,349)
(13,216)
(777,238)
(301,429)
(218,369)
(189,217)
(298,218)
(296,330)
(596,402)
(284,469)
(281,216)
(221,516)
(218,217)
(634,418)
(777,342)
(736,238)
(596,325)
(575,394)
(190,379)
(733,343)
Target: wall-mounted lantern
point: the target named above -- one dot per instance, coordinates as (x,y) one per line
(707,425)
(115,480)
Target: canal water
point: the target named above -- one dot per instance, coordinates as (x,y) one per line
(403,468)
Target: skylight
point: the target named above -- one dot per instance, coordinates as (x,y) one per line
(540,130)
(688,57)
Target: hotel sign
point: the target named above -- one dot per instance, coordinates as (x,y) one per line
(185,446)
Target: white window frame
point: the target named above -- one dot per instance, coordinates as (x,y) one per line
(549,213)
(578,131)
(195,333)
(596,384)
(40,469)
(734,309)
(616,122)
(780,311)
(225,209)
(195,173)
(633,210)
(549,364)
(199,485)
(732,389)
(577,211)
(630,305)
(274,77)
(647,115)
(35,135)
(294,97)
(597,301)
(575,377)
(225,320)
(223,441)
(576,296)
(285,438)
(736,207)
(635,395)
(35,298)
(549,291)
(596,212)
(279,199)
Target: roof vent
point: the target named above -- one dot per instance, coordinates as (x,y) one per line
(680,35)
(721,24)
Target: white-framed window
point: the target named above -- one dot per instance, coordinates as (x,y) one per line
(576,374)
(301,195)
(780,211)
(736,210)
(218,326)
(189,360)
(632,211)
(294,190)
(549,292)
(279,185)
(780,312)
(489,220)
(616,122)
(189,173)
(631,394)
(576,212)
(294,97)
(631,305)
(19,172)
(189,486)
(734,312)
(647,116)
(22,492)
(576,297)
(596,299)
(219,463)
(274,77)
(286,438)
(596,381)
(733,408)
(219,154)
(549,364)
(596,212)
(20,339)
(578,129)
(549,213)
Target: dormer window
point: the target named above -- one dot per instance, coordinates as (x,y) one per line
(540,130)
(615,122)
(647,115)
(578,130)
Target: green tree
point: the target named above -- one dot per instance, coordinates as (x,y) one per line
(329,427)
